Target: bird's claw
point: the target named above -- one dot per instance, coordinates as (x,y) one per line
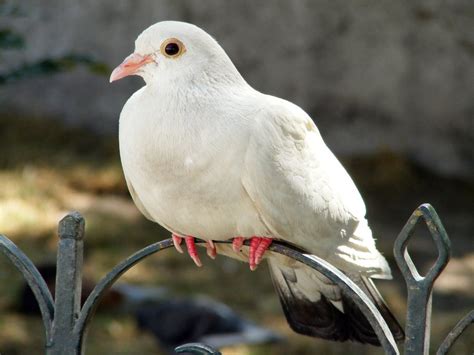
(191,246)
(258,246)
(257,249)
(211,249)
(237,243)
(177,240)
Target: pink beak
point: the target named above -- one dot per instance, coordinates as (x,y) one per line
(130,66)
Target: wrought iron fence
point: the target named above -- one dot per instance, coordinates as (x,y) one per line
(66,323)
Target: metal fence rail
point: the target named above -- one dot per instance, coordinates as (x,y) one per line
(66,323)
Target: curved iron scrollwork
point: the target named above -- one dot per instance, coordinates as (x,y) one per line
(34,279)
(66,323)
(196,348)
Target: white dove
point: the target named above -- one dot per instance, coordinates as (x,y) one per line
(206,155)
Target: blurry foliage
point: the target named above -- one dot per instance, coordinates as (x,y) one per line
(52,66)
(24,141)
(9,8)
(11,40)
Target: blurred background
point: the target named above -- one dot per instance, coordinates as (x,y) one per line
(389,84)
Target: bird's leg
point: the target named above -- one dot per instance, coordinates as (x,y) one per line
(237,243)
(258,246)
(211,249)
(192,250)
(177,240)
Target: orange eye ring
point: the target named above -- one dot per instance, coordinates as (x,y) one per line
(172,48)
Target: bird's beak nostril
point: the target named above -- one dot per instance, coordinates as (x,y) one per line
(130,66)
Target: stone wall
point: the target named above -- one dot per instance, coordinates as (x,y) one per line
(375,75)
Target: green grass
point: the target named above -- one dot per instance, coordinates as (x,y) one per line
(47,169)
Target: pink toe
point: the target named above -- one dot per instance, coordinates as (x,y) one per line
(191,246)
(211,249)
(261,249)
(254,243)
(177,240)
(237,243)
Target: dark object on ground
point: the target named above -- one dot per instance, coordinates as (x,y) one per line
(185,320)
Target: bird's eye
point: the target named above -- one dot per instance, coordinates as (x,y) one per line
(172,48)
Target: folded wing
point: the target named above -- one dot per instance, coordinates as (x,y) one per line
(305,197)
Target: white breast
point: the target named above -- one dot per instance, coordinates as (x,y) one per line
(187,176)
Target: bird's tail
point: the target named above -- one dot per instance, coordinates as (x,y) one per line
(315,306)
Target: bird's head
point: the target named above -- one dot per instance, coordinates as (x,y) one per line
(175,51)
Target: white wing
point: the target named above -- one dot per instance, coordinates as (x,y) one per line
(303,193)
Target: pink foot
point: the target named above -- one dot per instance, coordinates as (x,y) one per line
(192,250)
(211,249)
(237,243)
(177,240)
(258,247)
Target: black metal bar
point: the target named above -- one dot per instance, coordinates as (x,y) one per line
(94,298)
(35,282)
(196,348)
(455,333)
(68,285)
(419,288)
